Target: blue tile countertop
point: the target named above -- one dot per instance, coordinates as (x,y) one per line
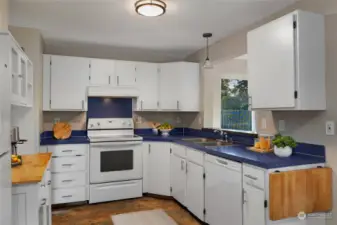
(77,137)
(239,153)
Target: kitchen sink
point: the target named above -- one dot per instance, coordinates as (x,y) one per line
(214,143)
(199,140)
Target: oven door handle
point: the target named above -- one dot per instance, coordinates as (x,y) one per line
(117,144)
(123,183)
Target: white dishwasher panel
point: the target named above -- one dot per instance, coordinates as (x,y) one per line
(223,191)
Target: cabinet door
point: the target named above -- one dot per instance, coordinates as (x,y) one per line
(195,190)
(19,209)
(178,178)
(69,80)
(159,169)
(102,72)
(147,83)
(253,208)
(271,64)
(190,87)
(146,155)
(125,72)
(169,88)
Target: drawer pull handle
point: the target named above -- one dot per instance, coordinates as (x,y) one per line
(49,182)
(67,164)
(66,181)
(222,162)
(44,201)
(67,150)
(67,196)
(251,177)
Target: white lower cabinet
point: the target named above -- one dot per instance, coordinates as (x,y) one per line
(253,208)
(156,177)
(195,190)
(178,178)
(31,203)
(70,180)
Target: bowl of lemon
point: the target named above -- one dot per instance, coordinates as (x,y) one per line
(16,160)
(165,129)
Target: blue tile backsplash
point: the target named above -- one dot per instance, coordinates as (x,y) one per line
(100,107)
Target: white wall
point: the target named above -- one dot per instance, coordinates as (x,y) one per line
(30,120)
(4,14)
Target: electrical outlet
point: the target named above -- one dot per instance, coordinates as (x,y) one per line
(178,120)
(56,120)
(281,125)
(330,128)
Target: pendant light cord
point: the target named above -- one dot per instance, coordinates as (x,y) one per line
(207,50)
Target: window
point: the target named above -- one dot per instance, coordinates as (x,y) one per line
(235,114)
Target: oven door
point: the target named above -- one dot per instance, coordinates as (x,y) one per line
(115,161)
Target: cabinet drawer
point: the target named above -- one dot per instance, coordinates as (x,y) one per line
(178,150)
(68,164)
(67,180)
(253,176)
(68,150)
(195,156)
(69,195)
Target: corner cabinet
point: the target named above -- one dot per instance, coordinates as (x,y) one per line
(65,82)
(286,63)
(179,87)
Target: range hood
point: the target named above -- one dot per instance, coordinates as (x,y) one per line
(106,91)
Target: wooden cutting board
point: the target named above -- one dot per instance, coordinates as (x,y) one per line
(62,131)
(297,191)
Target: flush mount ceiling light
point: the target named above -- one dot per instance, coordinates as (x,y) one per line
(208,63)
(150,8)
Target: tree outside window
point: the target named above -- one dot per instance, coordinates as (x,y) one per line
(235,113)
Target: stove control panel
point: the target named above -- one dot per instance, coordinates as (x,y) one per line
(110,123)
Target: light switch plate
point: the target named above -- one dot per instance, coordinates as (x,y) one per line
(281,125)
(330,128)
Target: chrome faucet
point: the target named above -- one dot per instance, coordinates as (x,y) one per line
(223,134)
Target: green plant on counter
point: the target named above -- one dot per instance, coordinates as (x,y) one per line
(284,141)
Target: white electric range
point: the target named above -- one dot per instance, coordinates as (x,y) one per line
(116,169)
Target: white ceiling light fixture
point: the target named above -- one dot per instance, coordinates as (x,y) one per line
(208,64)
(150,8)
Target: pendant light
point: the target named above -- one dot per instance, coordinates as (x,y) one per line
(150,8)
(208,64)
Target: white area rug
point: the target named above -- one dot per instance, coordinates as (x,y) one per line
(152,217)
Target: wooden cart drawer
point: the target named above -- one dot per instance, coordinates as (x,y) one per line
(68,180)
(77,194)
(68,164)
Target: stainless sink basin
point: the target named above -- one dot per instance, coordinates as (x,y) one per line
(199,140)
(214,143)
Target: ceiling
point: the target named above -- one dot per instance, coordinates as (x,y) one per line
(114,24)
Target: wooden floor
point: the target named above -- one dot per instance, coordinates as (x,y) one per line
(100,214)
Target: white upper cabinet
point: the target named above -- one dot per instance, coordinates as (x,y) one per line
(147,84)
(102,72)
(21,69)
(125,72)
(179,87)
(286,63)
(169,89)
(189,82)
(69,78)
